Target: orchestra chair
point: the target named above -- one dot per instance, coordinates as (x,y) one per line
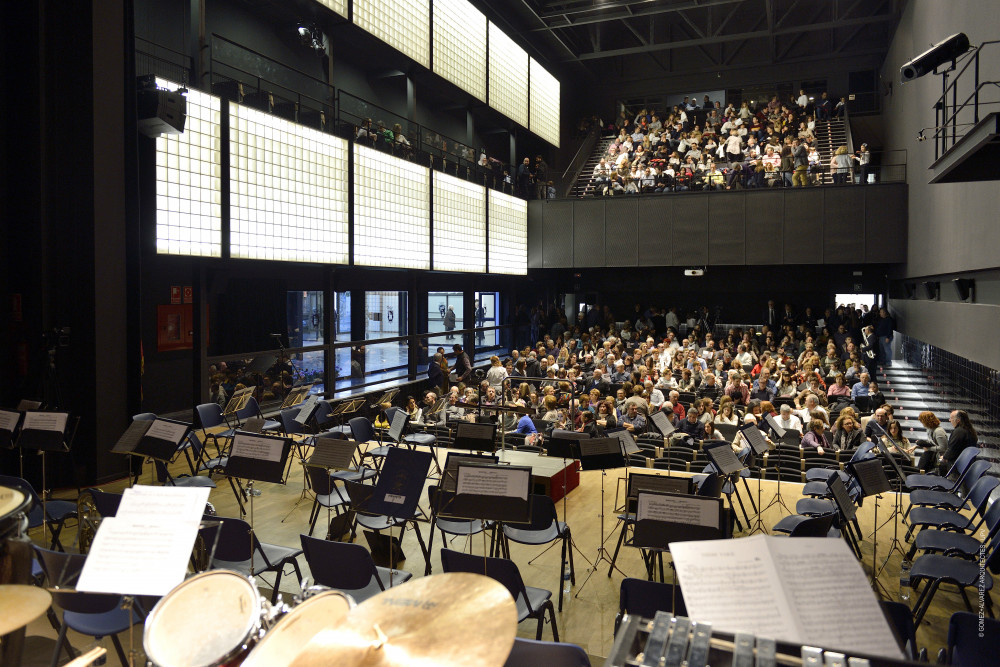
(639,597)
(543,528)
(57,512)
(968,645)
(937,569)
(348,568)
(531,602)
(326,493)
(95,614)
(898,614)
(551,654)
(234,545)
(948,482)
(363,433)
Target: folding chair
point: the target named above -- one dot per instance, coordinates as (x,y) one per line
(57,512)
(235,548)
(544,527)
(531,602)
(348,568)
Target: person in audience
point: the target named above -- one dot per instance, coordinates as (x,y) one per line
(496,374)
(787,420)
(963,435)
(551,405)
(727,412)
(838,388)
(692,426)
(847,435)
(875,396)
(523,178)
(861,387)
(863,158)
(841,165)
(606,414)
(810,404)
(711,433)
(877,425)
(633,421)
(895,441)
(413,411)
(815,437)
(936,442)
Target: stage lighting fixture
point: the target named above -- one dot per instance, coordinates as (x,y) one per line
(945,50)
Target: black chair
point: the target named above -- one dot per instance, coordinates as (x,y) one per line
(971,644)
(816,526)
(937,569)
(544,528)
(326,494)
(349,568)
(946,519)
(951,543)
(954,500)
(235,547)
(94,614)
(531,602)
(450,526)
(363,432)
(639,597)
(949,482)
(902,620)
(56,512)
(550,654)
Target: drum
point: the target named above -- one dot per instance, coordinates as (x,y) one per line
(210,620)
(14,507)
(283,642)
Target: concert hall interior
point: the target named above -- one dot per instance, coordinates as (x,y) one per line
(692,270)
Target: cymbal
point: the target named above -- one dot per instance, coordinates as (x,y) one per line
(20,605)
(422,622)
(10,500)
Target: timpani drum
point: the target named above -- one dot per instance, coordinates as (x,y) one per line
(284,641)
(209,620)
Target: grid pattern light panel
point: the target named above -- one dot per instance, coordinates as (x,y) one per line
(459,225)
(391,211)
(544,102)
(508,234)
(460,45)
(188,181)
(402,24)
(508,77)
(288,183)
(338,6)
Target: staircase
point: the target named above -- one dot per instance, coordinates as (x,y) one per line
(583,180)
(830,135)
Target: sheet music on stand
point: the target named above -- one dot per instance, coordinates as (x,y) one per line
(601,454)
(639,482)
(260,458)
(162,438)
(893,463)
(449,479)
(476,437)
(296,396)
(253,425)
(333,453)
(237,401)
(842,498)
(788,589)
(307,408)
(24,405)
(491,493)
(662,518)
(144,549)
(756,439)
(44,431)
(8,425)
(397,427)
(662,424)
(871,477)
(775,428)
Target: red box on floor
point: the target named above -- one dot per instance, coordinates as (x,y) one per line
(553,486)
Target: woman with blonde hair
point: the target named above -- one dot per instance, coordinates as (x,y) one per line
(496,374)
(841,165)
(727,412)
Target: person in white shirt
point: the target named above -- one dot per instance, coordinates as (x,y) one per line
(812,404)
(787,420)
(803,100)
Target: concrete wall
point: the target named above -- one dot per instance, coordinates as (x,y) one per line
(953,227)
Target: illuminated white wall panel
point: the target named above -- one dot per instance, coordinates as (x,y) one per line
(508,234)
(544,101)
(508,77)
(459,225)
(188,180)
(288,183)
(339,6)
(460,45)
(402,24)
(391,211)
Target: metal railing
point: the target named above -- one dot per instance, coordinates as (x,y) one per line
(946,123)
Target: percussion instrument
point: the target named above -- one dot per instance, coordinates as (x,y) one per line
(209,620)
(20,605)
(325,609)
(422,622)
(14,507)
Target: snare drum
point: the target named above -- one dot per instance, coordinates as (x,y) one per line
(210,620)
(283,642)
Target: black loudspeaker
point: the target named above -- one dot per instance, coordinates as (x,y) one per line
(932,290)
(966,288)
(161,112)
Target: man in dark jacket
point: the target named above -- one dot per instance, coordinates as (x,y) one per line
(884,328)
(463,367)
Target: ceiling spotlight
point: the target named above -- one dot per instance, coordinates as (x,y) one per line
(311,36)
(921,136)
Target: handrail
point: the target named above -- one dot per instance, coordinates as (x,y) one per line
(216,36)
(943,121)
(578,160)
(848,137)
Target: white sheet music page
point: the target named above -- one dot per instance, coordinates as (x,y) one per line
(733,584)
(493,481)
(169,431)
(691,510)
(830,595)
(46,421)
(257,447)
(144,549)
(8,420)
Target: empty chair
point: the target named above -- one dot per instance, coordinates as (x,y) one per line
(449,526)
(94,614)
(236,546)
(363,432)
(951,543)
(544,527)
(946,519)
(326,494)
(551,654)
(956,499)
(937,569)
(639,597)
(56,512)
(348,568)
(815,526)
(949,482)
(902,620)
(531,602)
(972,642)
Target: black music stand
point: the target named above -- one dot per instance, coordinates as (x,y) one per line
(397,494)
(847,509)
(601,454)
(663,518)
(872,481)
(160,442)
(897,509)
(635,483)
(257,458)
(45,432)
(565,445)
(236,402)
(758,447)
(663,425)
(346,408)
(9,423)
(730,467)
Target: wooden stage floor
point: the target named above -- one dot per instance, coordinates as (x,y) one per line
(588,615)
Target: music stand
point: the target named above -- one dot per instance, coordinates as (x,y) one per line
(257,458)
(758,446)
(663,425)
(565,445)
(663,518)
(386,398)
(600,454)
(44,432)
(449,479)
(296,396)
(489,492)
(872,481)
(847,509)
(730,467)
(897,509)
(9,421)
(237,402)
(475,437)
(772,424)
(397,493)
(329,454)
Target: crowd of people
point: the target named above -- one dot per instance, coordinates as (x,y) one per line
(752,146)
(813,373)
